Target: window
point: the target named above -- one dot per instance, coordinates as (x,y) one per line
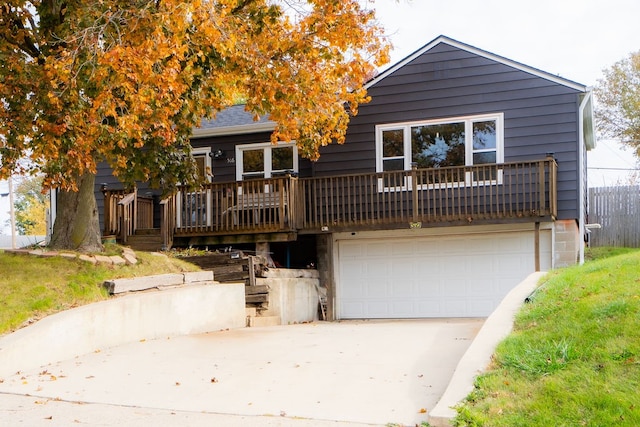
(265,160)
(465,141)
(203,163)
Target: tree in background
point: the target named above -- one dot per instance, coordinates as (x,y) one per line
(618,107)
(125,82)
(31,206)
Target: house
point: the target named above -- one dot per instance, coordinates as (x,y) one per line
(465,173)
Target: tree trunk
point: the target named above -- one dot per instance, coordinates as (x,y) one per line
(77,225)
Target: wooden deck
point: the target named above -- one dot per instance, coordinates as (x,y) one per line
(280,208)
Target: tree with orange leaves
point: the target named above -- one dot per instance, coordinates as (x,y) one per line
(125,82)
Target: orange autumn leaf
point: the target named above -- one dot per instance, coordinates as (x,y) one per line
(126,83)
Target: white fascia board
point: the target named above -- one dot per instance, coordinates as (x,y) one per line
(233,130)
(586,120)
(443,39)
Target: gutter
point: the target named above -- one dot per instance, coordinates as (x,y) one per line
(582,146)
(234,130)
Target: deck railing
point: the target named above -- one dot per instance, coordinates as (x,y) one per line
(111,219)
(167,221)
(456,195)
(260,205)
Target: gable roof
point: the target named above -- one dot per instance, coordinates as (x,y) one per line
(479,52)
(233,120)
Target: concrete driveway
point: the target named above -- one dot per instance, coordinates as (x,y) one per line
(317,374)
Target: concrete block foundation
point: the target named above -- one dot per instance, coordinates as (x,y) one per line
(567,241)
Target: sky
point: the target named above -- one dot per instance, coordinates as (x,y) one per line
(575,39)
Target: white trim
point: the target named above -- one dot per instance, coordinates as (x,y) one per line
(233,130)
(407,152)
(267,147)
(204,151)
(582,146)
(443,39)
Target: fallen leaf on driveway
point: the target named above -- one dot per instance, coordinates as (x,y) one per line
(422,411)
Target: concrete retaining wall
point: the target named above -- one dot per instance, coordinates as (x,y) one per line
(478,356)
(179,311)
(293,295)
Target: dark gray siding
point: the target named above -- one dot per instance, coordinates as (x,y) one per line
(540,116)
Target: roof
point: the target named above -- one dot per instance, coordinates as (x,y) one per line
(236,120)
(479,52)
(233,120)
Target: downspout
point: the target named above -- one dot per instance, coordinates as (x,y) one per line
(582,173)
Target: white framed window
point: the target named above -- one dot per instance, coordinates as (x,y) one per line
(265,160)
(203,163)
(459,141)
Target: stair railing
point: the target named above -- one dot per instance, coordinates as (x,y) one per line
(167,221)
(127,215)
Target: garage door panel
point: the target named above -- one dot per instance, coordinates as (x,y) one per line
(403,289)
(378,288)
(377,309)
(403,306)
(432,276)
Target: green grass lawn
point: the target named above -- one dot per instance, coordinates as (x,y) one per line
(33,287)
(573,358)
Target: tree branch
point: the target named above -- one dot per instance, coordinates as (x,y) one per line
(15,25)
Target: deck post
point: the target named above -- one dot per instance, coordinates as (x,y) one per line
(414,191)
(542,190)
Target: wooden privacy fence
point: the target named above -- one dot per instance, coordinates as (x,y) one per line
(617,210)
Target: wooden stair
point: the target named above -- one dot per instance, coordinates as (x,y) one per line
(146,239)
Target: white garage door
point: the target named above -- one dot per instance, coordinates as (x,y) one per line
(453,276)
